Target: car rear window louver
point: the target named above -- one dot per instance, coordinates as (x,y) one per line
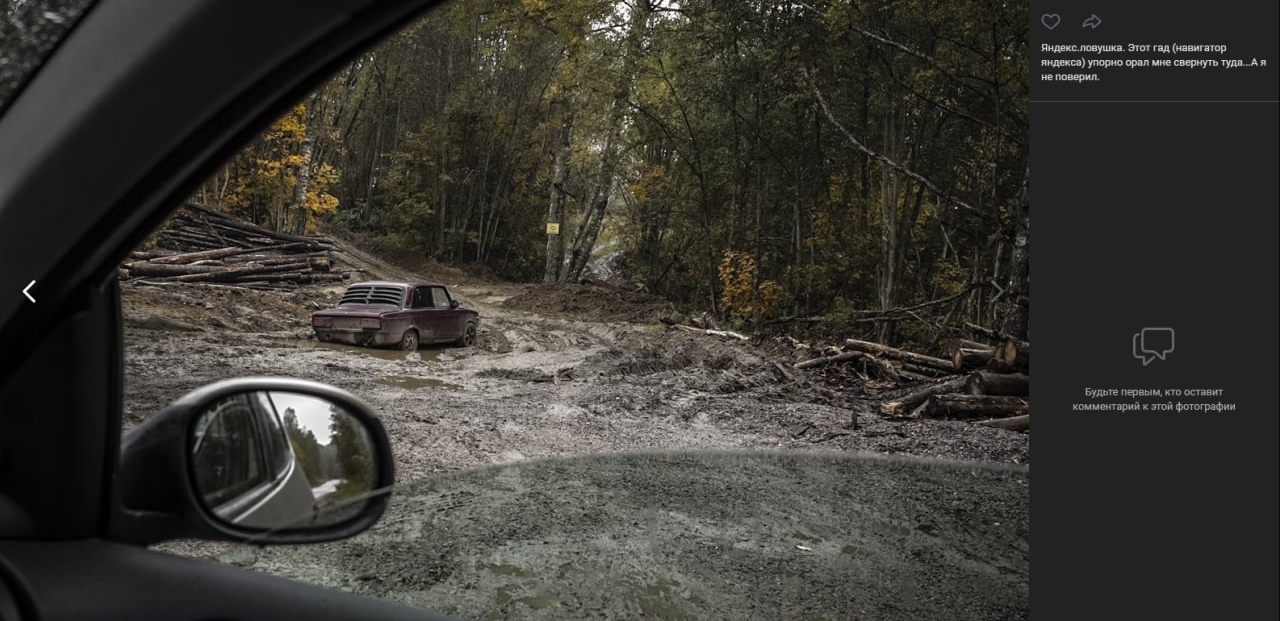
(372,294)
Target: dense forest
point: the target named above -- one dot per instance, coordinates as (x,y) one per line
(848,166)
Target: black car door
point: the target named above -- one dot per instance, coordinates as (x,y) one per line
(133,108)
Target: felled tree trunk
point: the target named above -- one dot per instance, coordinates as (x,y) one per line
(1016,423)
(975,406)
(906,403)
(968,359)
(953,344)
(1015,354)
(825,360)
(900,355)
(998,384)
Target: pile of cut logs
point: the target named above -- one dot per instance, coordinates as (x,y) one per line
(987,382)
(200,245)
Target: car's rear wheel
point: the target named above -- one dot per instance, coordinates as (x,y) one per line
(409,342)
(468,337)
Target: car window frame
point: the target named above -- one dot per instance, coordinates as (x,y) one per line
(244,489)
(418,295)
(44,52)
(74,337)
(278,452)
(448,300)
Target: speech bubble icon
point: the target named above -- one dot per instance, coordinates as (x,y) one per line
(1152,343)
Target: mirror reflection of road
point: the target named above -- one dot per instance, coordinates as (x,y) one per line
(739,536)
(332,449)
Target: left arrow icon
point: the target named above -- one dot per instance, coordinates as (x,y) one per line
(27,291)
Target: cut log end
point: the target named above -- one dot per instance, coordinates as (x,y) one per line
(1014,354)
(966,359)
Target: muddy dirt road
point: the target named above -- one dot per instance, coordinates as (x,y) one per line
(538,384)
(557,371)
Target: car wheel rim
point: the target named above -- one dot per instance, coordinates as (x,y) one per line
(410,342)
(470,338)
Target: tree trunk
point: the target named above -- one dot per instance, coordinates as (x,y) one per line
(590,232)
(1014,354)
(966,359)
(555,211)
(975,406)
(902,355)
(825,360)
(905,403)
(1015,423)
(890,237)
(147,269)
(953,344)
(1017,318)
(226,275)
(998,384)
(589,228)
(189,257)
(923,370)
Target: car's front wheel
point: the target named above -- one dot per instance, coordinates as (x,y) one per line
(468,337)
(409,342)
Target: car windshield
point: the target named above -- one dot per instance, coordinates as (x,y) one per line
(704,309)
(29,31)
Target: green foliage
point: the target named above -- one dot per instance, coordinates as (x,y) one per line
(716,124)
(354,456)
(306,449)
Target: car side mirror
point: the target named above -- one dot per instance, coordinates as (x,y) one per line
(453,304)
(259,460)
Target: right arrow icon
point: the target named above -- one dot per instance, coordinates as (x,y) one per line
(27,291)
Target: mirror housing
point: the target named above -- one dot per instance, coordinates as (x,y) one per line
(177,479)
(454,304)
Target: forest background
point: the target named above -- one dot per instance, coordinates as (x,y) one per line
(821,168)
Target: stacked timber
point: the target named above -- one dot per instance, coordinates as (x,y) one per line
(984,382)
(200,245)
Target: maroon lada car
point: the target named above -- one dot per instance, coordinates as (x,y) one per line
(404,314)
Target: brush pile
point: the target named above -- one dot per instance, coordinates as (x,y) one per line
(983,381)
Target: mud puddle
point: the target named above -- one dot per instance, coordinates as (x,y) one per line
(415,383)
(425,353)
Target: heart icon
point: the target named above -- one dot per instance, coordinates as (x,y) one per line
(1050,20)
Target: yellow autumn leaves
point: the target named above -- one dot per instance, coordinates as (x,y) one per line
(262,180)
(741,296)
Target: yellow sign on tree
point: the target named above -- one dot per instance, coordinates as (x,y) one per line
(553,228)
